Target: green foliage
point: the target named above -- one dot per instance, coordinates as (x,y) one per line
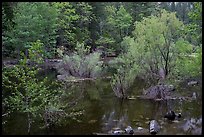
(195,27)
(188,64)
(126,70)
(34,21)
(81,64)
(36,52)
(7,16)
(125,44)
(84,11)
(196,13)
(66,18)
(156,36)
(26,92)
(156,44)
(119,21)
(7,24)
(119,18)
(183,47)
(181,8)
(123,79)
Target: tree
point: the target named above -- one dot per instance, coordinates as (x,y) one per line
(25,92)
(119,19)
(126,69)
(67,16)
(138,10)
(152,50)
(34,21)
(158,43)
(7,25)
(195,27)
(181,9)
(84,11)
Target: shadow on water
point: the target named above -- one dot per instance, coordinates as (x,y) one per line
(104,112)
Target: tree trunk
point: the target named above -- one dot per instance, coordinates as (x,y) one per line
(29,122)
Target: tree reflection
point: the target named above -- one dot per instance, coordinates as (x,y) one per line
(116,119)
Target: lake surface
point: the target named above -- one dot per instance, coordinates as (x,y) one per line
(103,112)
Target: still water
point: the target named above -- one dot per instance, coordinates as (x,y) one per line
(103,112)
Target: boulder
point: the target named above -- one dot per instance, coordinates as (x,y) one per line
(193,126)
(158,92)
(171,115)
(129,130)
(140,128)
(61,77)
(194,96)
(118,132)
(154,127)
(192,83)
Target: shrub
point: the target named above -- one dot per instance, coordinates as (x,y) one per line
(81,64)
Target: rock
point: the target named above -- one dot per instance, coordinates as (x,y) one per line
(197,131)
(131,98)
(118,132)
(192,83)
(61,77)
(189,125)
(140,128)
(158,92)
(171,88)
(199,121)
(129,130)
(176,121)
(172,116)
(154,127)
(193,125)
(92,121)
(194,95)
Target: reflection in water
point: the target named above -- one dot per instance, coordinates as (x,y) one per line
(115,120)
(106,113)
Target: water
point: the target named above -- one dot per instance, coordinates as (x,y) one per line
(104,112)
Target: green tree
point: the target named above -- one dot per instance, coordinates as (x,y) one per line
(118,23)
(33,21)
(195,27)
(126,70)
(150,51)
(67,16)
(188,63)
(7,25)
(84,11)
(158,43)
(24,92)
(120,20)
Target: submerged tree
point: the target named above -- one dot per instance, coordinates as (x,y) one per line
(126,69)
(157,36)
(153,51)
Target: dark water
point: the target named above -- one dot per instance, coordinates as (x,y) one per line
(104,112)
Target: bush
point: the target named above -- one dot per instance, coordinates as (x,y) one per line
(125,75)
(81,64)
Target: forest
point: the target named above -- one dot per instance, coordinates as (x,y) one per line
(102,68)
